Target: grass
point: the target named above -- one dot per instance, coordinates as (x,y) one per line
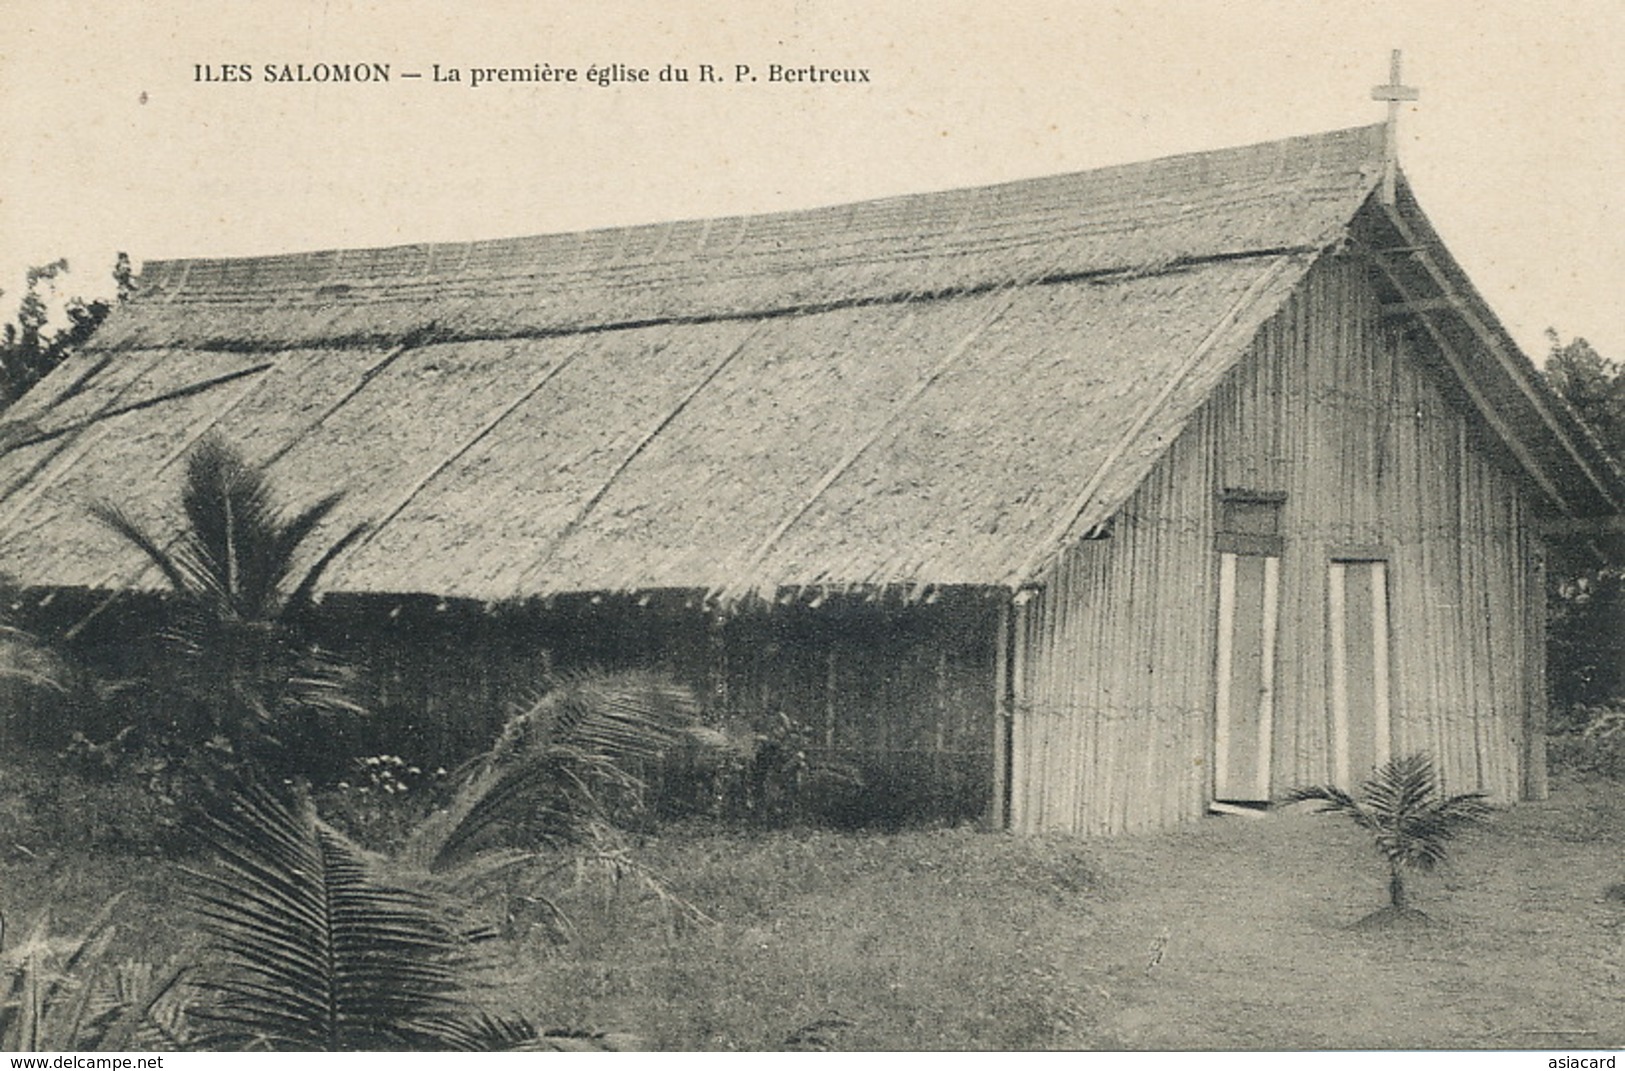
(1227,934)
(945,939)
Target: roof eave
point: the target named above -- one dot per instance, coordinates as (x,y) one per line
(1559,453)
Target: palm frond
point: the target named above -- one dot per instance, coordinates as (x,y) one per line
(53,992)
(114,518)
(1431,824)
(321,682)
(293,532)
(1334,800)
(24,657)
(143,1009)
(511,1033)
(302,592)
(320,951)
(244,669)
(232,524)
(545,799)
(628,715)
(237,550)
(543,780)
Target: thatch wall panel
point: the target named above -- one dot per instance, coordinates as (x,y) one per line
(901,696)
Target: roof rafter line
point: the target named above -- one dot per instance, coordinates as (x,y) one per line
(886,424)
(1497,349)
(489,426)
(14,431)
(1223,330)
(81,381)
(632,455)
(367,376)
(1447,351)
(44,462)
(443,334)
(214,419)
(145,403)
(78,433)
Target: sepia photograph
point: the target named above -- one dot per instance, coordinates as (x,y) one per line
(811,527)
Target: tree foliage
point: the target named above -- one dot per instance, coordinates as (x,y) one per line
(30,348)
(1587,619)
(242,677)
(1592,384)
(1586,635)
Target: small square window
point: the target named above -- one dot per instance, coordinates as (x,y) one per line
(1250,522)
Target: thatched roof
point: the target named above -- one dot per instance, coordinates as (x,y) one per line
(940,389)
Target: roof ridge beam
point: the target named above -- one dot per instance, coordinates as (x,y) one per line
(1102,276)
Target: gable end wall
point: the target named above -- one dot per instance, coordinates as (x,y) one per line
(1113,719)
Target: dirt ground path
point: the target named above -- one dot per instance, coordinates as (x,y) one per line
(1236,934)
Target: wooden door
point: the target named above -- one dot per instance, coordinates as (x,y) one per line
(1358,681)
(1244,704)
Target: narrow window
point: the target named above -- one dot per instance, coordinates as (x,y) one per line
(1358,679)
(1249,544)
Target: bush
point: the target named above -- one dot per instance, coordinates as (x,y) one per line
(383,801)
(1593,744)
(780,774)
(46,804)
(1586,649)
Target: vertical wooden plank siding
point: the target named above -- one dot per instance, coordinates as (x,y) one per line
(1534,785)
(998,808)
(1224,665)
(1380,677)
(1385,470)
(1266,686)
(1337,650)
(904,694)
(1021,780)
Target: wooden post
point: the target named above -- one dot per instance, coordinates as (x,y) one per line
(1020,776)
(999,807)
(1534,639)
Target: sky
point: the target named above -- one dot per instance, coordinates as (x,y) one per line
(110,140)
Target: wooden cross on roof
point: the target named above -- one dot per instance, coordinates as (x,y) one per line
(1394,92)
